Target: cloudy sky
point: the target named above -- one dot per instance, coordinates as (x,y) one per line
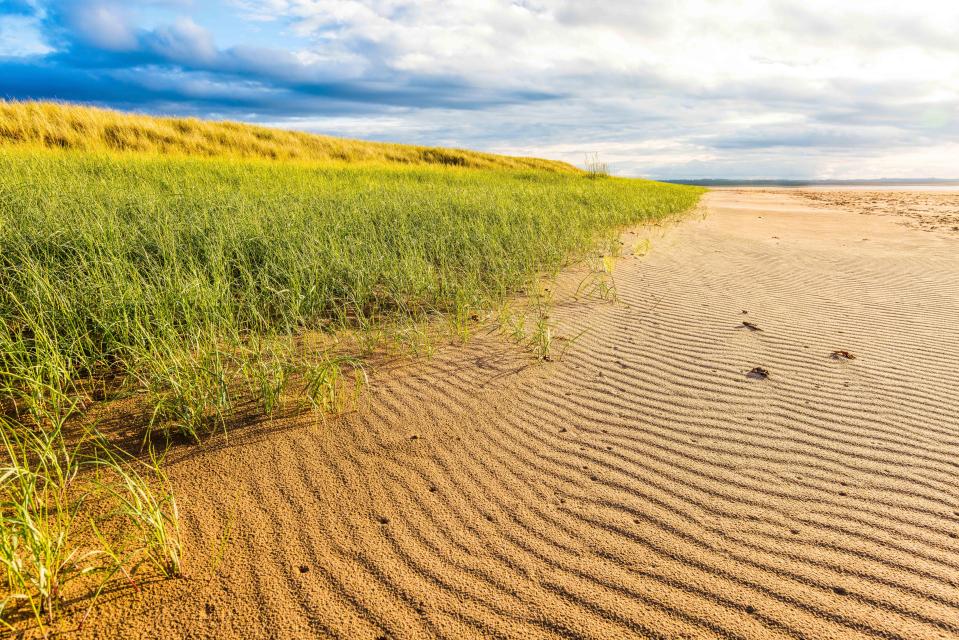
(661,88)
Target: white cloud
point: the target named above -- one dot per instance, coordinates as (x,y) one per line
(183,40)
(20,37)
(105,25)
(672,86)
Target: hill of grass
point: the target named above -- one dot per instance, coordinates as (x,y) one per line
(64,126)
(188,286)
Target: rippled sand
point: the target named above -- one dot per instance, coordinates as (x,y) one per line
(643,486)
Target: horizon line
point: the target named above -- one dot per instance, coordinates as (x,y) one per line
(809,181)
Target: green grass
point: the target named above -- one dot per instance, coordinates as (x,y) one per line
(145,266)
(192,284)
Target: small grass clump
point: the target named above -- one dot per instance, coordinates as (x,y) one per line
(594,167)
(151,513)
(186,263)
(599,283)
(39,512)
(54,500)
(335,382)
(186,388)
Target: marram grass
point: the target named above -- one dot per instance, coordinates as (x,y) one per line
(184,260)
(63,126)
(108,261)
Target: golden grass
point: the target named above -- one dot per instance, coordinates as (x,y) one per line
(65,126)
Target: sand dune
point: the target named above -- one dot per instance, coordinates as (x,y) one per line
(644,486)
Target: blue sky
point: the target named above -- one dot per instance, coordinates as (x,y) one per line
(661,88)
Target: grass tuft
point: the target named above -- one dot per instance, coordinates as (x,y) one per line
(334,384)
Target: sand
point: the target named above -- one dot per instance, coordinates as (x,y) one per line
(642,486)
(930,210)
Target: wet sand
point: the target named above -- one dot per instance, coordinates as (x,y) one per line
(643,486)
(928,209)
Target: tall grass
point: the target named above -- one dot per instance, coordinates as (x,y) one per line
(147,266)
(65,126)
(196,282)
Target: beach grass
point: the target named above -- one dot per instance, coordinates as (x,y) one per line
(64,126)
(182,262)
(146,266)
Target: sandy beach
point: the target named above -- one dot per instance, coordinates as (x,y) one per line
(644,485)
(929,209)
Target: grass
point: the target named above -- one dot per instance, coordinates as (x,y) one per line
(595,167)
(64,126)
(52,497)
(599,283)
(193,266)
(153,514)
(39,515)
(335,383)
(155,269)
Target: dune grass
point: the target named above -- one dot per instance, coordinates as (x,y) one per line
(64,126)
(190,284)
(145,267)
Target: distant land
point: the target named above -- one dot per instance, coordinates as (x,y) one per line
(771,182)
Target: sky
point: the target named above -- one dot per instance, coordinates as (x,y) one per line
(828,89)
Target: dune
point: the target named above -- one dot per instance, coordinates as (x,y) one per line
(643,485)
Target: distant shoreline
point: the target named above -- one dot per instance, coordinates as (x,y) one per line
(880,183)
